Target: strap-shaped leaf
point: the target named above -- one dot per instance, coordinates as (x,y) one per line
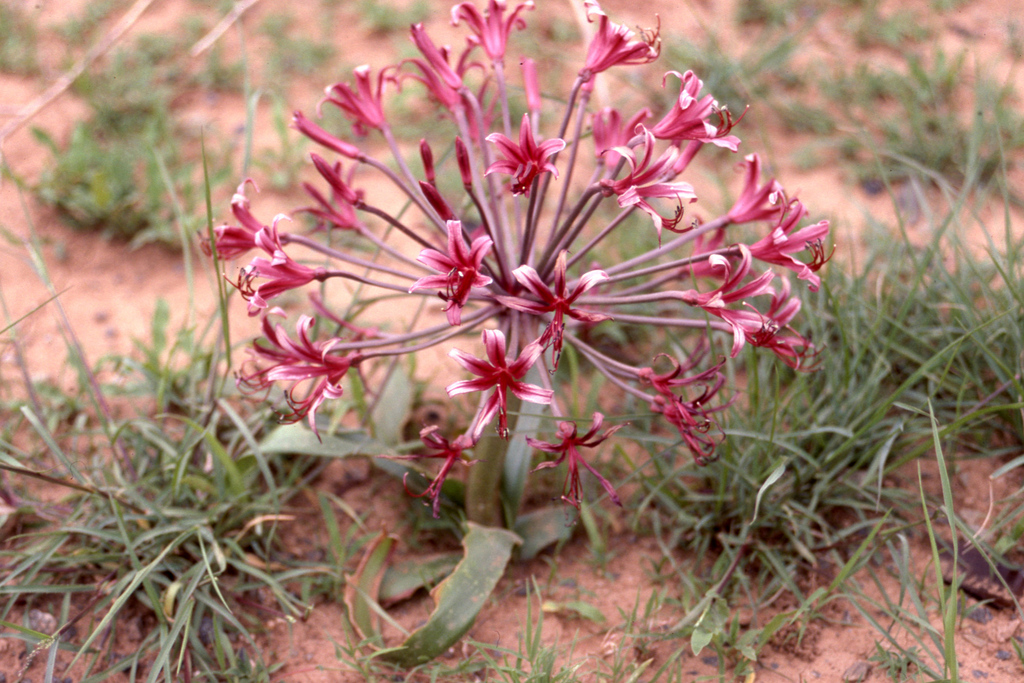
(459,598)
(362,586)
(300,439)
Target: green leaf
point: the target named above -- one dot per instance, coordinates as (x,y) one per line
(542,528)
(364,584)
(392,408)
(460,597)
(405,578)
(575,608)
(300,440)
(519,455)
(710,624)
(772,478)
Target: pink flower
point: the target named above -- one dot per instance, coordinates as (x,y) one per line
(779,246)
(438,89)
(339,211)
(363,106)
(558,302)
(691,417)
(665,383)
(436,60)
(688,118)
(613,44)
(297,362)
(460,267)
(342,187)
(757,202)
(792,349)
(235,240)
(497,373)
(692,422)
(526,160)
(703,244)
(610,132)
(451,451)
(568,449)
(491,29)
(731,291)
(322,137)
(330,213)
(281,272)
(648,179)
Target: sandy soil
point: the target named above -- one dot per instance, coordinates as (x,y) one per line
(108,295)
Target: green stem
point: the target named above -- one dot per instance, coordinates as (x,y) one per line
(483,484)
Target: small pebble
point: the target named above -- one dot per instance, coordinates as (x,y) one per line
(316,555)
(977,673)
(872,187)
(206,631)
(710,661)
(856,672)
(41,621)
(981,614)
(1001,655)
(3,677)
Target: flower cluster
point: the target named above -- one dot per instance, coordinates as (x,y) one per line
(522,248)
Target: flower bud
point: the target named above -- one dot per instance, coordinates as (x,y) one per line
(530,85)
(437,201)
(322,137)
(427,155)
(462,156)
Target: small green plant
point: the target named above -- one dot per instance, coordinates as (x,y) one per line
(922,126)
(899,30)
(283,163)
(220,75)
(761,74)
(168,533)
(122,187)
(292,55)
(18,42)
(897,665)
(129,172)
(100,185)
(80,30)
(382,18)
(771,12)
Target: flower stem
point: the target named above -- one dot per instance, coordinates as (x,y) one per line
(483,484)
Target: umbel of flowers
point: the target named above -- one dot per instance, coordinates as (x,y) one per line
(515,256)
